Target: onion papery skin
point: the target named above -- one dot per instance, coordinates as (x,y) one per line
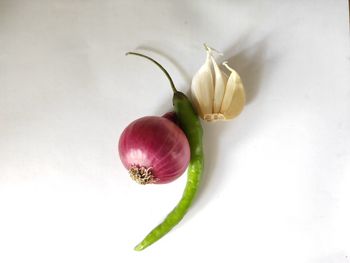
(157,145)
(171,116)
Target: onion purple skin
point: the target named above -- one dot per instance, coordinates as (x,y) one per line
(171,116)
(154,143)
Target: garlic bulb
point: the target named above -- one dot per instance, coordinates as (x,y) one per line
(215,95)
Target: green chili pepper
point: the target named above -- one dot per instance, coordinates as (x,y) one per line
(192,127)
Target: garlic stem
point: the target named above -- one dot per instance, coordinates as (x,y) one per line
(210,49)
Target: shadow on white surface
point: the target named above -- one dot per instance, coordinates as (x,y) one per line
(249,63)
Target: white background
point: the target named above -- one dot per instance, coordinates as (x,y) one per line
(276,186)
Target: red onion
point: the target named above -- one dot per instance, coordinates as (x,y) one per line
(154,150)
(171,116)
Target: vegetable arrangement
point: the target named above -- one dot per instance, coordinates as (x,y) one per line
(159,149)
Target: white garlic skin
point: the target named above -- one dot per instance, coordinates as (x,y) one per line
(214,95)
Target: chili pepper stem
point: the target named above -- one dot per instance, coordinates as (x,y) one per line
(159,65)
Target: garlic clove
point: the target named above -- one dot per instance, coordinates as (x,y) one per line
(202,88)
(219,86)
(234,97)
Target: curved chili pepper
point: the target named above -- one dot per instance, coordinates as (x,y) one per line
(192,127)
